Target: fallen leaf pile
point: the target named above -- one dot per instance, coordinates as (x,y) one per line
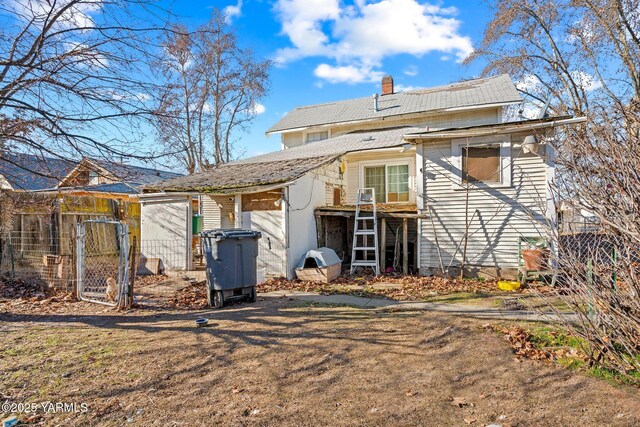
(409,287)
(193,297)
(523,345)
(28,295)
(18,288)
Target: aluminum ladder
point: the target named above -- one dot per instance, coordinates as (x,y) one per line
(361,232)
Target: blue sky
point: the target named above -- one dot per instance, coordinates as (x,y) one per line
(330,50)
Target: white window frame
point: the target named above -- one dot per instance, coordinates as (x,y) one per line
(307,132)
(386,164)
(502,141)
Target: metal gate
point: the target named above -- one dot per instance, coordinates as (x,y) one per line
(102,255)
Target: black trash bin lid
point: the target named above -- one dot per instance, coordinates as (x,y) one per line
(231,233)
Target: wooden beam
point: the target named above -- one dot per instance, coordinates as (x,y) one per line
(350,214)
(383,244)
(405,246)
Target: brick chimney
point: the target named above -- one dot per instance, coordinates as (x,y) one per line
(387,85)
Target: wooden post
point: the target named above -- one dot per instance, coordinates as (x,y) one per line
(405,246)
(319,230)
(383,244)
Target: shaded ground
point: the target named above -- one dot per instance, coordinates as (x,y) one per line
(476,292)
(278,362)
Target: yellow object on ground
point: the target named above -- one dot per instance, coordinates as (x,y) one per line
(507,285)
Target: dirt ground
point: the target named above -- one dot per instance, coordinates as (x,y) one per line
(281,362)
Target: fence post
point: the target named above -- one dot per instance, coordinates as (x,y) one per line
(75,262)
(12,258)
(132,272)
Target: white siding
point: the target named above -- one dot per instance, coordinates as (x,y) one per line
(290,140)
(442,120)
(218,212)
(502,215)
(305,195)
(272,254)
(165,230)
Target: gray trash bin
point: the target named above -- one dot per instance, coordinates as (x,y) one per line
(230,255)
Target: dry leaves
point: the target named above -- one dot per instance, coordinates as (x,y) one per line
(18,288)
(521,342)
(410,287)
(193,297)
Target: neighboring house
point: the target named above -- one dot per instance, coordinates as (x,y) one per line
(49,196)
(457,185)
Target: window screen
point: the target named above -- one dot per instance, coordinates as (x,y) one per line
(398,178)
(374,177)
(481,164)
(317,136)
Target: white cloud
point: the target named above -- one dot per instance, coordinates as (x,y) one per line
(411,70)
(86,56)
(258,108)
(233,11)
(302,22)
(39,11)
(359,36)
(407,88)
(347,74)
(121,96)
(585,80)
(529,83)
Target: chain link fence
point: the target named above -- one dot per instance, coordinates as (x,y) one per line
(102,264)
(594,253)
(39,258)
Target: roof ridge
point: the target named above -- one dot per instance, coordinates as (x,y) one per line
(471,93)
(382,97)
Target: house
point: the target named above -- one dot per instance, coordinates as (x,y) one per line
(46,197)
(458,186)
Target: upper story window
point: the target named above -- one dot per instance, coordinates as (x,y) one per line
(94,178)
(481,162)
(317,136)
(390,182)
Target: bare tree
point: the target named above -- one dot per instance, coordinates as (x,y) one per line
(74,79)
(211,93)
(584,55)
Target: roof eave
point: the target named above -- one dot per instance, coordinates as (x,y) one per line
(490,105)
(500,128)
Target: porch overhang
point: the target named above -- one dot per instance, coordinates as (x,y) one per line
(382,211)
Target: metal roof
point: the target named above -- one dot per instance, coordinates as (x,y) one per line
(467,94)
(131,174)
(29,172)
